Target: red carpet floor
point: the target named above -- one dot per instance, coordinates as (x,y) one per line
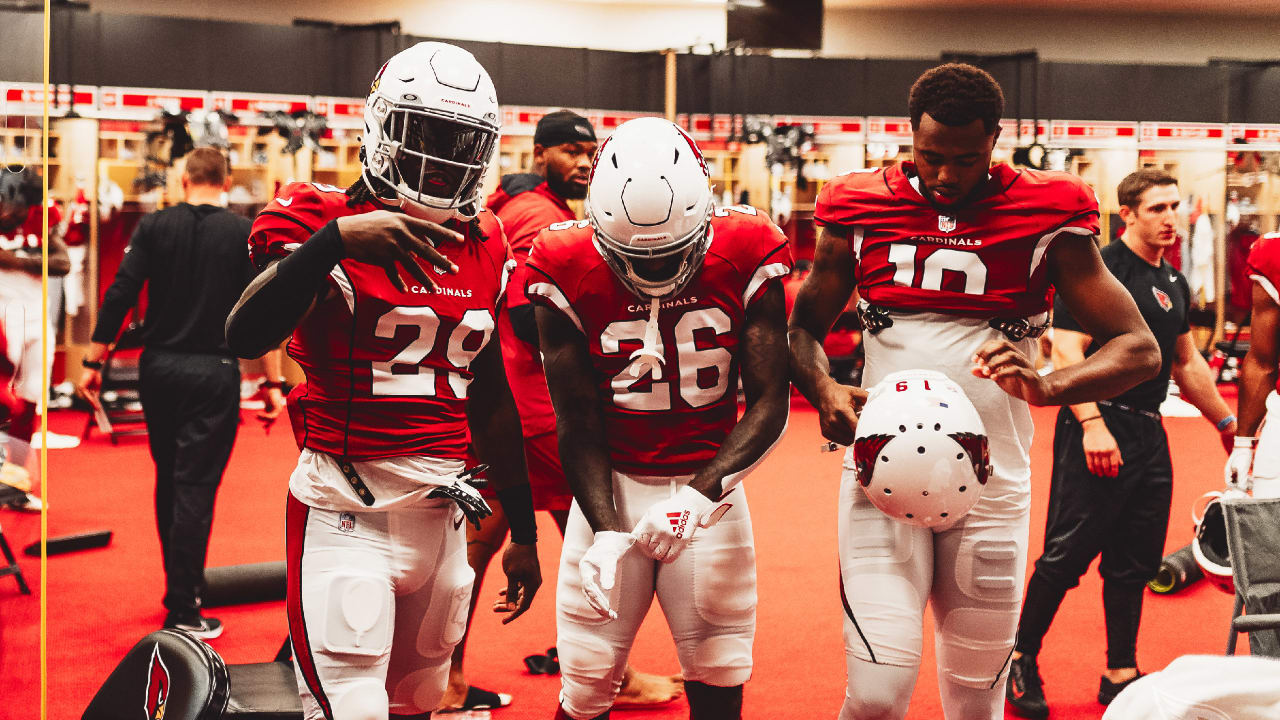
(103,601)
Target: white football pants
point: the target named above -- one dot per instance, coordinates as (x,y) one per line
(708,595)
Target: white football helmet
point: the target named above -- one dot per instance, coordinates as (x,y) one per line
(649,201)
(921,452)
(430,128)
(1209,546)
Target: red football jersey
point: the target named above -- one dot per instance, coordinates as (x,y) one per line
(1264,267)
(985,260)
(387,371)
(19,286)
(523,217)
(673,425)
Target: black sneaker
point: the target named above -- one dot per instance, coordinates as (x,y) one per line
(1107,690)
(205,628)
(1025,691)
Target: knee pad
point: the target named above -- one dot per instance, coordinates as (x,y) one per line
(877,692)
(722,660)
(357,615)
(364,699)
(421,690)
(590,673)
(974,645)
(976,634)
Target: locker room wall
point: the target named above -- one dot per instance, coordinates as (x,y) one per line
(1079,35)
(105,49)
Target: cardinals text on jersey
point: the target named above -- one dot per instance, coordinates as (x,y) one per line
(671,425)
(387,371)
(985,260)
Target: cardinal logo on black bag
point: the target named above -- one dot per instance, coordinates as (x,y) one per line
(157,686)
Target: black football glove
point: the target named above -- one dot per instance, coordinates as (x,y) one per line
(460,491)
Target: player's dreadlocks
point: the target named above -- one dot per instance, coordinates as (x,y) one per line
(956,94)
(359,192)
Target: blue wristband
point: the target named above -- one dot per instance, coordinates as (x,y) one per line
(1225,422)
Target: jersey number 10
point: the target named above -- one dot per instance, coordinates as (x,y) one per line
(963,262)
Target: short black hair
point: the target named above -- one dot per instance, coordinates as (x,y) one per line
(956,94)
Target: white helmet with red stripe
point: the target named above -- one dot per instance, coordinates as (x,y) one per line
(921,452)
(650,203)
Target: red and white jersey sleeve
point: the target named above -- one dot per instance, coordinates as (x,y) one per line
(1264,264)
(387,371)
(985,260)
(675,424)
(296,214)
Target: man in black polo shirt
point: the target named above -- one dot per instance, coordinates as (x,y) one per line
(1112,477)
(194,259)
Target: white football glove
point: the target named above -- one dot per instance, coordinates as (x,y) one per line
(599,569)
(668,525)
(1239,469)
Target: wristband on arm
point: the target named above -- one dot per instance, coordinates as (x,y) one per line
(517,503)
(1225,422)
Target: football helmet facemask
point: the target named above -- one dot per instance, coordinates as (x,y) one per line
(650,202)
(920,452)
(430,128)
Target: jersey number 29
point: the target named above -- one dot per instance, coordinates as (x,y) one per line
(421,380)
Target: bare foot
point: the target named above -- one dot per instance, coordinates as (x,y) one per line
(454,694)
(643,689)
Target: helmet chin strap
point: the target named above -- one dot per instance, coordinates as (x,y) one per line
(424,212)
(647,358)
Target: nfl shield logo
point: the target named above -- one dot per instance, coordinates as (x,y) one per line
(347,522)
(946,223)
(1162,297)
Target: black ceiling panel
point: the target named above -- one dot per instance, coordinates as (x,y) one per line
(22,37)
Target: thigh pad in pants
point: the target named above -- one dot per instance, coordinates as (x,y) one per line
(977,594)
(718,569)
(433,595)
(886,569)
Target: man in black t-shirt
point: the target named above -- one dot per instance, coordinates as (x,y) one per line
(194,259)
(1112,476)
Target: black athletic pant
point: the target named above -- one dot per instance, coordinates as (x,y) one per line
(192,408)
(1124,519)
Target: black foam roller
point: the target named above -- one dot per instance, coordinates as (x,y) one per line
(70,543)
(240,584)
(1176,572)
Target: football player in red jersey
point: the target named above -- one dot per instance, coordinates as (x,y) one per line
(1254,463)
(954,262)
(648,313)
(390,290)
(21,295)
